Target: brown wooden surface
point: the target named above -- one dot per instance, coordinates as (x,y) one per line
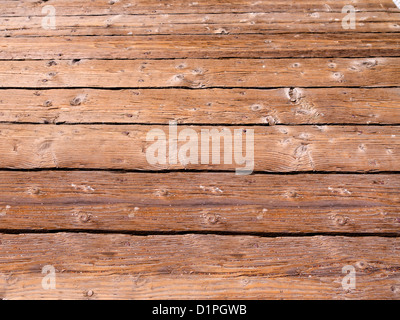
(214,106)
(310,203)
(77,102)
(202,46)
(277,149)
(204,266)
(202,73)
(195,23)
(98,7)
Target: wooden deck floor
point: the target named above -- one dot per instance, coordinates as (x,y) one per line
(84,214)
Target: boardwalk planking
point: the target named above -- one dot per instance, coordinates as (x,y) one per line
(220,23)
(202,73)
(202,46)
(278,148)
(190,202)
(114,70)
(98,7)
(91,266)
(214,106)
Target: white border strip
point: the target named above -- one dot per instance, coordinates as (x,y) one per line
(397,3)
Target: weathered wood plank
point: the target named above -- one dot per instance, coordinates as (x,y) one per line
(201,73)
(238,23)
(301,204)
(202,46)
(99,7)
(214,106)
(277,148)
(197,267)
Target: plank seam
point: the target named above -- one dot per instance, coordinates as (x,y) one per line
(122,171)
(239,124)
(194,232)
(186,34)
(202,58)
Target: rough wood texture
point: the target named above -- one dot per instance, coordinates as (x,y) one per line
(278,149)
(239,23)
(204,266)
(201,73)
(202,46)
(214,106)
(200,202)
(77,103)
(100,7)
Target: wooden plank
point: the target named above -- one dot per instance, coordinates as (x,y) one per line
(79,102)
(277,148)
(177,202)
(202,46)
(238,23)
(201,73)
(213,106)
(99,7)
(92,266)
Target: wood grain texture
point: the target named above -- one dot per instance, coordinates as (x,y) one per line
(225,23)
(201,73)
(277,149)
(204,266)
(78,108)
(213,106)
(200,202)
(202,46)
(100,7)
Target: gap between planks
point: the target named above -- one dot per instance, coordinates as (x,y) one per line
(198,24)
(261,235)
